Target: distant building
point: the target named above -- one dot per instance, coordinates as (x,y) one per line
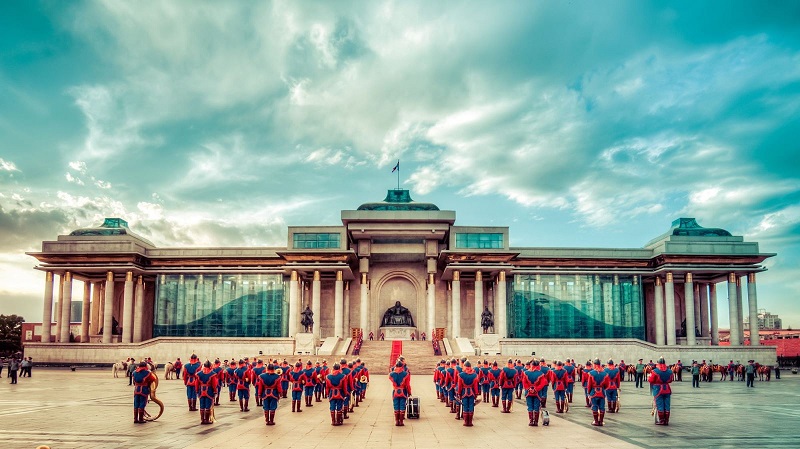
(766,320)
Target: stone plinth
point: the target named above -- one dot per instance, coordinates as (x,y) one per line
(305,343)
(398,332)
(489,344)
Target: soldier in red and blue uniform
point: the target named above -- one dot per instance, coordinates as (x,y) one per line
(468,390)
(335,384)
(520,369)
(243,379)
(311,382)
(219,371)
(450,384)
(533,381)
(546,370)
(270,388)
(190,371)
(286,369)
(324,373)
(559,378)
(596,385)
(319,382)
(613,387)
(401,390)
(230,377)
(437,379)
(569,367)
(364,372)
(356,374)
(483,375)
(206,386)
(623,368)
(494,384)
(585,382)
(298,380)
(258,370)
(142,379)
(508,383)
(659,380)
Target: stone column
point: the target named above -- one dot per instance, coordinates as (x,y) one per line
(478,303)
(688,300)
(94,324)
(127,309)
(659,311)
(66,304)
(108,311)
(456,304)
(316,286)
(346,318)
(500,305)
(739,308)
(338,306)
(702,293)
(364,306)
(669,309)
(733,313)
(294,299)
(57,308)
(752,302)
(47,310)
(138,310)
(712,305)
(431,321)
(85,309)
(449,320)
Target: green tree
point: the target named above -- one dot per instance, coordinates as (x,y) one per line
(10,334)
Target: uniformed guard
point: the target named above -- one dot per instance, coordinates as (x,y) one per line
(142,379)
(206,386)
(319,384)
(533,381)
(230,377)
(401,390)
(468,389)
(508,383)
(324,372)
(546,370)
(258,370)
(311,382)
(518,381)
(243,380)
(190,371)
(336,388)
(298,380)
(347,371)
(450,384)
(612,392)
(483,376)
(270,388)
(437,379)
(596,385)
(494,383)
(659,380)
(219,371)
(569,367)
(559,378)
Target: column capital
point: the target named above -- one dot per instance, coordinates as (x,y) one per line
(732,278)
(293,276)
(456,275)
(49,276)
(751,278)
(658,281)
(670,277)
(129,276)
(688,277)
(430,279)
(501,276)
(363,278)
(478,276)
(140,280)
(316,275)
(110,276)
(67,276)
(339,275)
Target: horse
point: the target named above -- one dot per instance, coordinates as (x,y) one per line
(706,373)
(119,366)
(169,370)
(764,372)
(631,373)
(723,371)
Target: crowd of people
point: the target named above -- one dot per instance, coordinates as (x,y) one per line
(17,366)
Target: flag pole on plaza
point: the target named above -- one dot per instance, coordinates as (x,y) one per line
(397,169)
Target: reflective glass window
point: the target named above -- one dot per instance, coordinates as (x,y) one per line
(308,240)
(479,240)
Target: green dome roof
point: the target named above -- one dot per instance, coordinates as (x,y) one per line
(398,199)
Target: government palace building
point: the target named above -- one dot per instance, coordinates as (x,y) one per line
(461,286)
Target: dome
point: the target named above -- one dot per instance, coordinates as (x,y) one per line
(398,199)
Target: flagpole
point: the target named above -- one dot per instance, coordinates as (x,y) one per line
(398,174)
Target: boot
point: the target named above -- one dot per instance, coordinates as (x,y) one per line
(519,394)
(298,406)
(595,416)
(610,406)
(345,410)
(189,401)
(402,416)
(602,415)
(452,407)
(136,416)
(266,417)
(666,418)
(468,419)
(530,419)
(241,405)
(660,421)
(569,397)
(535,419)
(351,408)
(333,419)
(271,418)
(588,404)
(544,403)
(310,401)
(505,407)
(396,418)
(232,395)
(216,400)
(458,412)
(319,395)
(194,404)
(339,417)
(558,406)
(358,399)
(293,407)
(495,401)
(247,405)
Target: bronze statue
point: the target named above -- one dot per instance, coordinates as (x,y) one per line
(486,320)
(307,321)
(397,316)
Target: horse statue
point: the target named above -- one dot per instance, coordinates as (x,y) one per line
(119,366)
(169,371)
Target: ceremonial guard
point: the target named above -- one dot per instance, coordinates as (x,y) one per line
(546,370)
(190,371)
(468,389)
(612,392)
(219,371)
(679,371)
(494,384)
(142,379)
(534,380)
(348,386)
(258,370)
(508,383)
(518,381)
(659,380)
(356,374)
(177,367)
(324,372)
(285,379)
(298,381)
(270,387)
(438,373)
(559,378)
(230,377)
(483,376)
(335,384)
(311,382)
(623,368)
(569,367)
(401,390)
(319,382)
(596,385)
(243,379)
(364,376)
(206,386)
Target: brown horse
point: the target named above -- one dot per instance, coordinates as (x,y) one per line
(722,370)
(764,372)
(631,373)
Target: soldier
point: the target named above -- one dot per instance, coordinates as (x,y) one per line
(298,380)
(450,384)
(365,375)
(508,383)
(731,369)
(612,392)
(285,379)
(569,367)
(518,382)
(559,378)
(243,379)
(546,370)
(467,392)
(356,373)
(598,382)
(639,374)
(270,387)
(533,381)
(336,390)
(348,386)
(219,371)
(659,380)
(319,384)
(311,382)
(483,372)
(142,379)
(585,382)
(230,377)
(177,367)
(679,370)
(437,376)
(401,390)
(206,386)
(494,384)
(324,373)
(190,371)
(258,370)
(622,370)
(695,374)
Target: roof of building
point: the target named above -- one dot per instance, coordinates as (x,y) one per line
(398,199)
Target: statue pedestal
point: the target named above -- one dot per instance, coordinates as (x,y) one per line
(489,344)
(305,343)
(398,332)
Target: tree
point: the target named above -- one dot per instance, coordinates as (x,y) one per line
(10,334)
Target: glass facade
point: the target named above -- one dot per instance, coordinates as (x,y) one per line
(221,305)
(307,240)
(479,240)
(575,306)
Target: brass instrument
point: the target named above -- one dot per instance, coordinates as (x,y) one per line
(153,398)
(279,371)
(363,379)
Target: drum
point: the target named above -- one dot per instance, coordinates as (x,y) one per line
(412,407)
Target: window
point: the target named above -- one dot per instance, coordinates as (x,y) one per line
(316,240)
(479,241)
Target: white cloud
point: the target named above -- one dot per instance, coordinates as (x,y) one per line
(7,165)
(73,179)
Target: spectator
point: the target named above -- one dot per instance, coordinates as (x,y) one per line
(13,366)
(23,367)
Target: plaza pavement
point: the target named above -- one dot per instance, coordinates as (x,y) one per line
(88,408)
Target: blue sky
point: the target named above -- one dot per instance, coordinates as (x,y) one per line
(587,124)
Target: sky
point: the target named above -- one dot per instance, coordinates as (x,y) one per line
(575,123)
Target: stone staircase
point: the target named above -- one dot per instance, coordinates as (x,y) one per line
(418,354)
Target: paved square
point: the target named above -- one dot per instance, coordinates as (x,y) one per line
(89,408)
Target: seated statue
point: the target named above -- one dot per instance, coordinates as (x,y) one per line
(486,320)
(307,321)
(397,316)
